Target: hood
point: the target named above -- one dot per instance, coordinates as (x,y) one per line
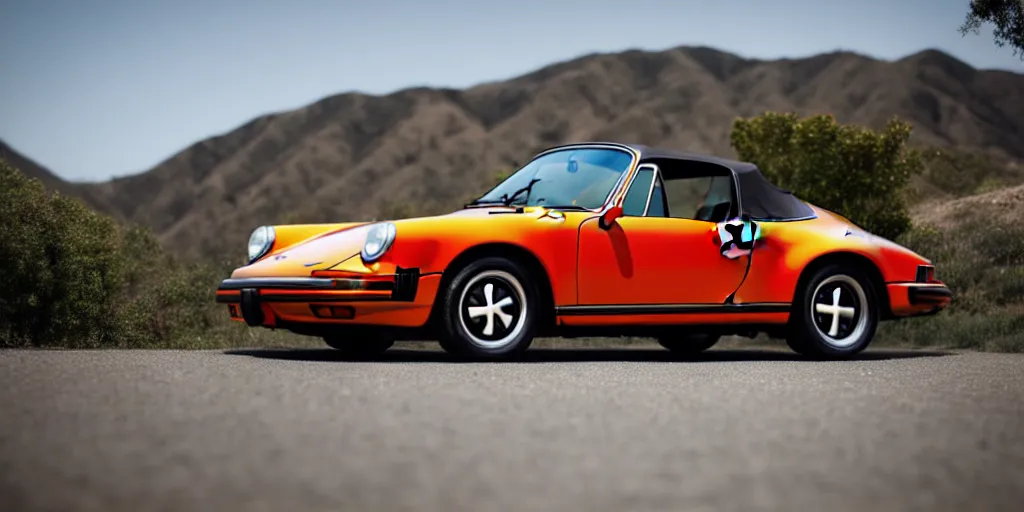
(317,254)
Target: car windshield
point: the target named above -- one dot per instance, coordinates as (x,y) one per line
(568,178)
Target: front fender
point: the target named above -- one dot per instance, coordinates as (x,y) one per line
(432,244)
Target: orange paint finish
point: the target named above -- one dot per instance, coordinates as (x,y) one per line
(433,243)
(647,260)
(787,248)
(382,312)
(289,235)
(270,320)
(638,261)
(318,253)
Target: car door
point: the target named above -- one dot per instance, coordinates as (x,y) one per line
(661,251)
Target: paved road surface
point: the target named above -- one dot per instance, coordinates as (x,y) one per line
(568,430)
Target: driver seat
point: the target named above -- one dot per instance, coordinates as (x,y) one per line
(716,213)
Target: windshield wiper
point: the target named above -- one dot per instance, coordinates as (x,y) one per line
(564,207)
(507,199)
(477,202)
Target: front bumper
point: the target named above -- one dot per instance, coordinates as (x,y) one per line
(262,300)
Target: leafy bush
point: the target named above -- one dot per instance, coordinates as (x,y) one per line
(72,277)
(58,274)
(854,171)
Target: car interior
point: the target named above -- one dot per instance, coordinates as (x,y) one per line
(683,190)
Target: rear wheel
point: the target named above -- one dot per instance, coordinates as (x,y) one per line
(689,344)
(489,311)
(359,346)
(835,315)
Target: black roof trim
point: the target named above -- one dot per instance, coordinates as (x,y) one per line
(652,153)
(756,196)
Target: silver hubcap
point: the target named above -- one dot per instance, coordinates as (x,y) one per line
(492,309)
(839,311)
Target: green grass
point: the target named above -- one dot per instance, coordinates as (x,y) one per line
(951,173)
(982,262)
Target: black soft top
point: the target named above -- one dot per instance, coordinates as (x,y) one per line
(758,198)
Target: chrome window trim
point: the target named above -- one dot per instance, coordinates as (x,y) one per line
(650,189)
(610,199)
(736,191)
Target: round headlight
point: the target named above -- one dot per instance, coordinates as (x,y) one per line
(378,240)
(260,241)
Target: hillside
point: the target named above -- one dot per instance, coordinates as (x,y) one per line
(50,180)
(355,156)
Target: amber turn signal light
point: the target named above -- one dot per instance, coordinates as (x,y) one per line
(344,312)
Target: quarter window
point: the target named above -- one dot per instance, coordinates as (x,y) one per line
(635,201)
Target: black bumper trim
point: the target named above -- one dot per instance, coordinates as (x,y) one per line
(252,312)
(403,288)
(918,295)
(305,283)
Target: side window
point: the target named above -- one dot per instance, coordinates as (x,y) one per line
(635,202)
(706,198)
(658,206)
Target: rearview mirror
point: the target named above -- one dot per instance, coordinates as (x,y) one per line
(608,218)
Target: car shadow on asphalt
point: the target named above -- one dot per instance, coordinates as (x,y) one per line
(558,355)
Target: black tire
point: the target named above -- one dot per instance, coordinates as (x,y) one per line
(840,334)
(796,344)
(689,344)
(359,346)
(512,326)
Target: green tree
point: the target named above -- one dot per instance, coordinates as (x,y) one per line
(1006,15)
(71,277)
(854,171)
(59,267)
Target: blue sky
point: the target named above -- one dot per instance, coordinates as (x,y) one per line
(98,88)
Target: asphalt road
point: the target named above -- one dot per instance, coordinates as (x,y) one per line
(567,430)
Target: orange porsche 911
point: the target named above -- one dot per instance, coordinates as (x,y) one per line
(591,239)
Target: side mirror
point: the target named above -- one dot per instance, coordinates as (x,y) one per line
(608,218)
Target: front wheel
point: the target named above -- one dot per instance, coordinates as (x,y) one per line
(835,315)
(489,311)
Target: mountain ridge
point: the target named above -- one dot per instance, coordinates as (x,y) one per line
(354,155)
